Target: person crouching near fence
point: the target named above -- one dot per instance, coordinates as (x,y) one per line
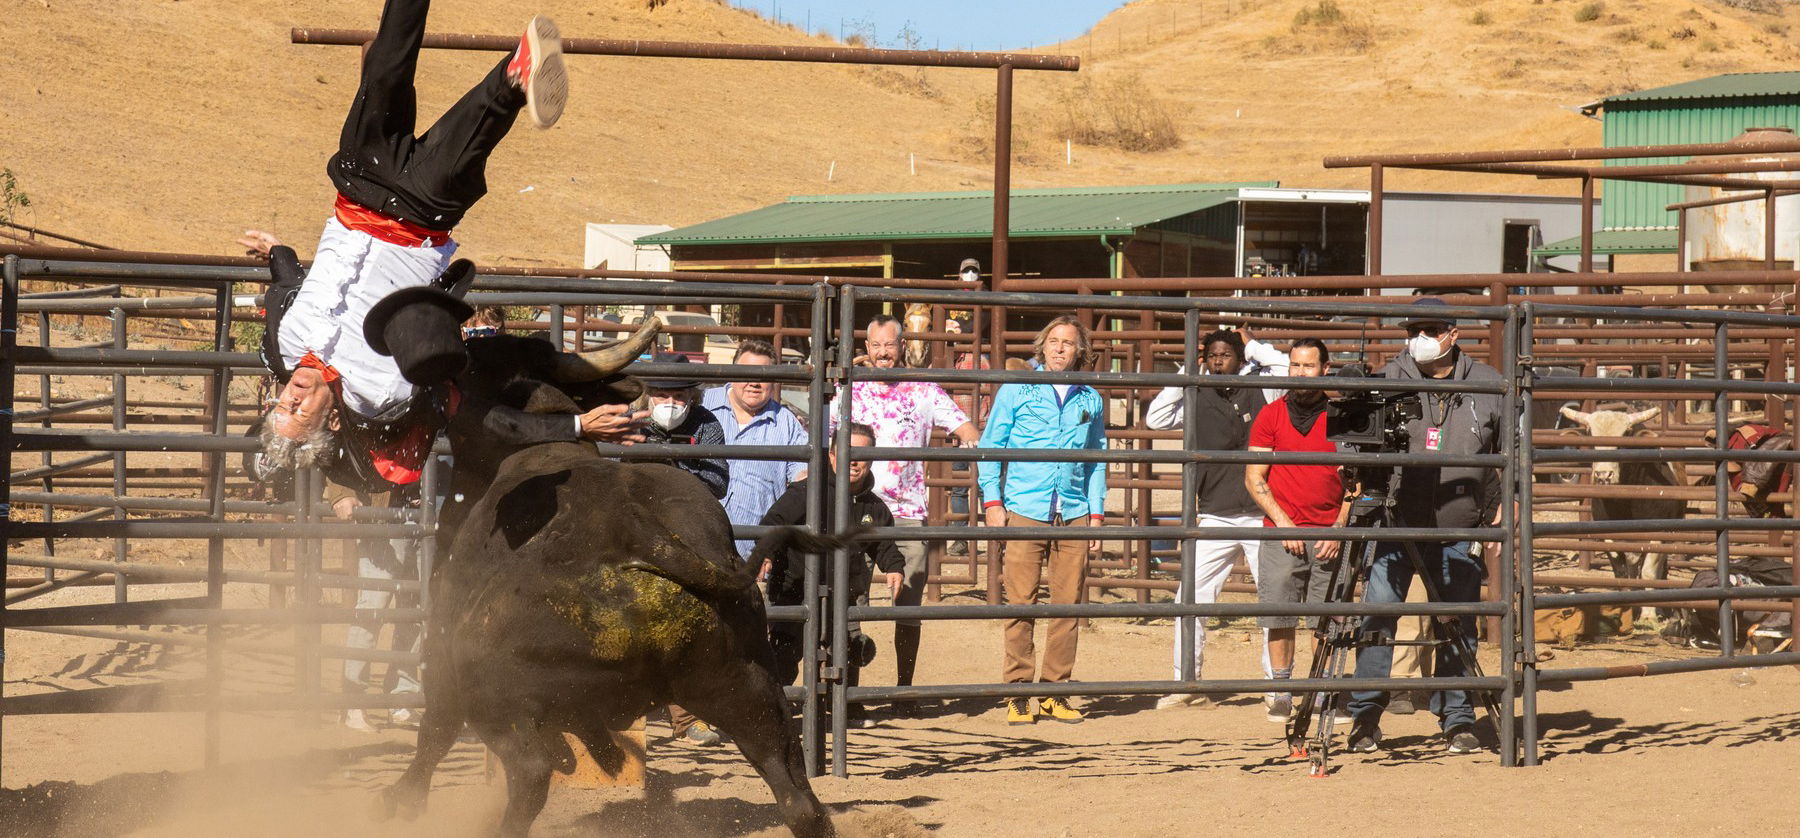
(1294,570)
(1036,494)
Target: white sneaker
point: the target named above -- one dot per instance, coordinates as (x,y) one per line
(404,717)
(1278,707)
(355,720)
(1183,700)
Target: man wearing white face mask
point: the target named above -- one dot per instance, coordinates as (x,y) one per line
(674,421)
(1434,496)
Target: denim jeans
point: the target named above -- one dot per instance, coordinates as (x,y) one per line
(1458,577)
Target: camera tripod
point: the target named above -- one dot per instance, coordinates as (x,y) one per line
(1334,638)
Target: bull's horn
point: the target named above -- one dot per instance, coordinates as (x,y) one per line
(1642,416)
(574,367)
(1583,418)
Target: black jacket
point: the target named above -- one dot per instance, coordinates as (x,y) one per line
(1466,423)
(787,568)
(1224,422)
(700,427)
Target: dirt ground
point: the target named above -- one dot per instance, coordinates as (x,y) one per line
(1687,754)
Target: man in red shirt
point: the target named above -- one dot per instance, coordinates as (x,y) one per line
(1294,496)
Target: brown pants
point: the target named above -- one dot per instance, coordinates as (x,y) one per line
(1023,565)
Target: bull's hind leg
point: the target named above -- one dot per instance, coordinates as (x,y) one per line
(743,700)
(437,735)
(528,764)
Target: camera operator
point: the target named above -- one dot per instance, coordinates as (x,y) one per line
(1433,496)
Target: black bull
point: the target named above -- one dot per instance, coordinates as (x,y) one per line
(580,592)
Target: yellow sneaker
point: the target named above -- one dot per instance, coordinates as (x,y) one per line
(1059,710)
(1018,712)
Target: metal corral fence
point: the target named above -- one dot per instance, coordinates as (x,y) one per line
(1668,346)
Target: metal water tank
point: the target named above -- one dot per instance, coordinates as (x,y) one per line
(1729,237)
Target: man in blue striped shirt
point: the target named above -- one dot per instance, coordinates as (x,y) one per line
(751,415)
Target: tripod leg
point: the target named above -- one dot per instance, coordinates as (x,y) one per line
(1452,631)
(1341,588)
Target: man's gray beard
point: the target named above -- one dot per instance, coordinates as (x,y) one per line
(282,454)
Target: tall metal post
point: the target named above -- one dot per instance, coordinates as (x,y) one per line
(9,352)
(306,594)
(1721,483)
(1504,568)
(49,457)
(1002,231)
(841,595)
(1587,224)
(1527,662)
(1190,479)
(811,741)
(121,590)
(1776,370)
(215,545)
(1376,187)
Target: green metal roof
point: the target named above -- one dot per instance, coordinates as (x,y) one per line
(1728,86)
(1614,241)
(1035,213)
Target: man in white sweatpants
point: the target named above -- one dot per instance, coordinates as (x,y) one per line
(1224,415)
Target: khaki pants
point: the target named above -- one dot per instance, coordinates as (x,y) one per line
(1022,569)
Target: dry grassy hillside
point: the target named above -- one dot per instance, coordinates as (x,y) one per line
(172,124)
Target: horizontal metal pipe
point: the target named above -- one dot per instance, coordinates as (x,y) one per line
(142,570)
(153,613)
(1045,689)
(1636,670)
(1662,524)
(53,469)
(169,638)
(61,409)
(191,696)
(692,49)
(153,504)
(1758,146)
(208,529)
(1172,609)
(1650,597)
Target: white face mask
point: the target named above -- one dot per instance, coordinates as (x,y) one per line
(971,276)
(668,415)
(1424,348)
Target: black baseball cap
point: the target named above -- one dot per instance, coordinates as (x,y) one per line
(669,383)
(1428,310)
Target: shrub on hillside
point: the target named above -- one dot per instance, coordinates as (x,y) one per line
(1481,17)
(1120,112)
(1683,33)
(1323,13)
(1589,12)
(1762,7)
(1332,26)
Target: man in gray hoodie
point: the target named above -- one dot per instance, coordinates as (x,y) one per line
(1434,496)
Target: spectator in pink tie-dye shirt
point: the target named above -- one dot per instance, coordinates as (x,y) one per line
(903,414)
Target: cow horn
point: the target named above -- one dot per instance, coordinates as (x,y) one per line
(1583,418)
(1642,416)
(575,367)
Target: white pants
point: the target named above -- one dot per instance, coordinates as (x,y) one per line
(391,565)
(1212,564)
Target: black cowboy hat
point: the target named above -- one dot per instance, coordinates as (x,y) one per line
(421,328)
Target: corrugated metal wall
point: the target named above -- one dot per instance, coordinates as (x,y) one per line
(1636,205)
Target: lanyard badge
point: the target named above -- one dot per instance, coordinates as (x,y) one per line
(1433,436)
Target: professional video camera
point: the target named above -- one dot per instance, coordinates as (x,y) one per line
(1370,420)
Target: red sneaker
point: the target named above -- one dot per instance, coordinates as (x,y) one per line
(537,68)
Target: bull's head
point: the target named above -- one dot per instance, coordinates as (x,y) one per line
(530,375)
(1609,423)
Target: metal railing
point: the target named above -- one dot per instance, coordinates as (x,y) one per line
(297,527)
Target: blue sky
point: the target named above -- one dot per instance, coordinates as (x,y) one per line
(944,24)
